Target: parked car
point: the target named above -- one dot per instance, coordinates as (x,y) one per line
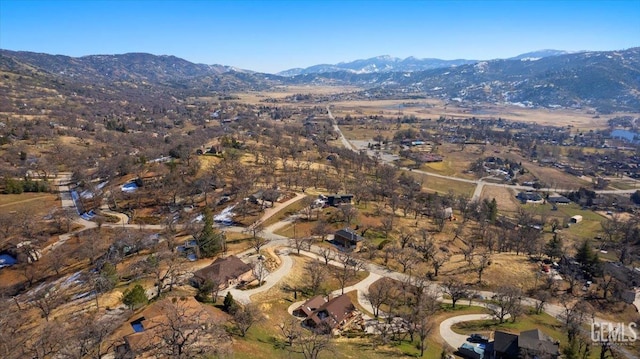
(478,338)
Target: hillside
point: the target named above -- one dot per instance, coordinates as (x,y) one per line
(602,81)
(129,70)
(59,83)
(379,64)
(605,81)
(385,63)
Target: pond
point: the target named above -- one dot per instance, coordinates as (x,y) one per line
(627,135)
(7,260)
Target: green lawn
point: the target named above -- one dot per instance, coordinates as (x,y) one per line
(586,229)
(546,323)
(443,185)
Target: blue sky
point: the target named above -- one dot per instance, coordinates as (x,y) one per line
(272,36)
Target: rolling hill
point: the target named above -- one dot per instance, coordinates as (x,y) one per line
(603,81)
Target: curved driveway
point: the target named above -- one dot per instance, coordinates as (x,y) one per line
(244,296)
(452,338)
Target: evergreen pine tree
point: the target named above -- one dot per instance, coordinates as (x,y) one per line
(210,240)
(135,297)
(229,305)
(589,259)
(553,248)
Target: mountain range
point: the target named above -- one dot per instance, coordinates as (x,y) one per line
(604,81)
(387,63)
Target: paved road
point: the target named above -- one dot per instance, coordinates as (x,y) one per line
(376,271)
(478,191)
(343,139)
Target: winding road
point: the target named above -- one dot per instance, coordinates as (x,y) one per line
(277,242)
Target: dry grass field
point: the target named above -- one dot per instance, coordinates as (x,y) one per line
(580,120)
(281,92)
(505,197)
(505,268)
(34,203)
(431,108)
(443,185)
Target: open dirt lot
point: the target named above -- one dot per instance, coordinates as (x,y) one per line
(29,202)
(505,268)
(280,92)
(505,197)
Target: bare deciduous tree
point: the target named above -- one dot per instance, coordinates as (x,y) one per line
(298,243)
(387,225)
(456,289)
(426,308)
(349,213)
(10,322)
(437,261)
(348,268)
(166,268)
(327,254)
(405,238)
(311,344)
(407,258)
(87,338)
(257,241)
(541,297)
(483,262)
(260,271)
(46,300)
(291,330)
(187,332)
(56,259)
(317,274)
(245,317)
(321,229)
(46,342)
(378,294)
(507,302)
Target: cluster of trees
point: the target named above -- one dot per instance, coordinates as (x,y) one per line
(17,186)
(86,336)
(622,235)
(410,308)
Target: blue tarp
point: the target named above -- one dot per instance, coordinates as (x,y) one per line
(129,187)
(75,197)
(7,260)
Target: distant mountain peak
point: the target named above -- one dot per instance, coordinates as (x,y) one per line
(604,81)
(539,54)
(387,58)
(388,63)
(378,64)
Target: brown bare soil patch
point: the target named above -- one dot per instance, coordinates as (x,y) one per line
(33,203)
(505,197)
(552,177)
(505,268)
